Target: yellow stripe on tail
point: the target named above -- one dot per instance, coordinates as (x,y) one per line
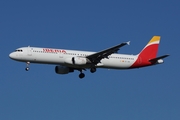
(155,39)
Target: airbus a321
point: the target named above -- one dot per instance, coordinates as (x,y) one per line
(68,61)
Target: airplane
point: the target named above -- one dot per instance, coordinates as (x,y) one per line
(68,61)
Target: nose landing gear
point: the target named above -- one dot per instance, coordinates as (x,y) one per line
(27,66)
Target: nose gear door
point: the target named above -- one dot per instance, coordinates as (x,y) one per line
(29,51)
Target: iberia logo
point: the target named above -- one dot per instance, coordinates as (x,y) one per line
(53,50)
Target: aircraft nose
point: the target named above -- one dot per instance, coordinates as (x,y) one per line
(12,55)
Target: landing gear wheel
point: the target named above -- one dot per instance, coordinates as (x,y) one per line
(92,70)
(27,68)
(81,75)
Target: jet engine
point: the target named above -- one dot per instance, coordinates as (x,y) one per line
(63,70)
(76,61)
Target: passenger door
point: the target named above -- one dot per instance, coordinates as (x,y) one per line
(29,51)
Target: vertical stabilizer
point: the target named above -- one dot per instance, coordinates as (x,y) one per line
(148,52)
(151,49)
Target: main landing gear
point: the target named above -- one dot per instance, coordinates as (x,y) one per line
(27,66)
(92,70)
(82,75)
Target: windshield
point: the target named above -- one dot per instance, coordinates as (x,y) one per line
(18,50)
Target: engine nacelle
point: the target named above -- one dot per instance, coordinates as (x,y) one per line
(63,70)
(160,61)
(76,61)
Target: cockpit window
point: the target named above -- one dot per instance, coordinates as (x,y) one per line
(18,50)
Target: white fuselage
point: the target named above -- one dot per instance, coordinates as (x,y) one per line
(59,56)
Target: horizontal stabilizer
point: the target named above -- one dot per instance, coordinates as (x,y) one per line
(154,60)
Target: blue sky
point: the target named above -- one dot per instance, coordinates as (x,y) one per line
(150,93)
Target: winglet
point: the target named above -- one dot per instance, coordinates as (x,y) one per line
(128,43)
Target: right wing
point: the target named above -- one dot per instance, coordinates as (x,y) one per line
(97,57)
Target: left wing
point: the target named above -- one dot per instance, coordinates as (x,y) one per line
(97,57)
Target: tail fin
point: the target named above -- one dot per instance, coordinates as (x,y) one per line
(151,49)
(147,56)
